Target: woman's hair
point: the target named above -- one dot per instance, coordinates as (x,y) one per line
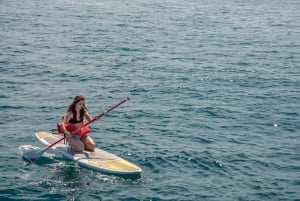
(75,101)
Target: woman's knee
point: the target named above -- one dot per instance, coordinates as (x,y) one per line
(79,147)
(90,145)
(76,145)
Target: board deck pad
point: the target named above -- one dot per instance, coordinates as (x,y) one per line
(99,160)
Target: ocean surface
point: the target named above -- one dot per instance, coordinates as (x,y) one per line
(214,87)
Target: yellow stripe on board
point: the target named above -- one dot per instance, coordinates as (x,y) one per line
(115,165)
(44,134)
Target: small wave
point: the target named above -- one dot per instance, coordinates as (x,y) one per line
(12,107)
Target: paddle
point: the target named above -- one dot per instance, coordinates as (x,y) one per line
(36,154)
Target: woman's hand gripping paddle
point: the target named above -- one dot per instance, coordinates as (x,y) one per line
(33,153)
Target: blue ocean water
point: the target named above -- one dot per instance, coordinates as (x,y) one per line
(214,88)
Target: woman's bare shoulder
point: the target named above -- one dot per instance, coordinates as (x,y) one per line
(68,116)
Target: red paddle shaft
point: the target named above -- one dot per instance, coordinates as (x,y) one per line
(103,113)
(94,119)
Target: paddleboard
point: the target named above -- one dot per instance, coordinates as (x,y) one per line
(99,160)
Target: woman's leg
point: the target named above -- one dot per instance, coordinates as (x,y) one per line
(75,143)
(88,142)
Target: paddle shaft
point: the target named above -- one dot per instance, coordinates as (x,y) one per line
(54,143)
(103,113)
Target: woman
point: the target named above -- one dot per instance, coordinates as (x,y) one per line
(73,126)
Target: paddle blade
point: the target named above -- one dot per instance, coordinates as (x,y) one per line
(31,153)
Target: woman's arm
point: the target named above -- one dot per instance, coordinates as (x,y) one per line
(87,115)
(65,120)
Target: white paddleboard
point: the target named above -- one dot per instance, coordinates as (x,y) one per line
(99,160)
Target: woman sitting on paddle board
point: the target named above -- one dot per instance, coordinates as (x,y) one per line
(72,125)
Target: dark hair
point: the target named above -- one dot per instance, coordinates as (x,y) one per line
(75,101)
